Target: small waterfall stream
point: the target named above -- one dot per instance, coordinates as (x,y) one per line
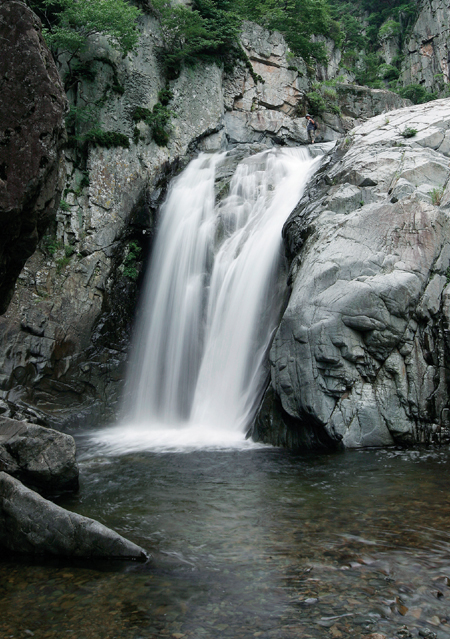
(211,304)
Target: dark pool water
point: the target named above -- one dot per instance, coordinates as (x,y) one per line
(256,543)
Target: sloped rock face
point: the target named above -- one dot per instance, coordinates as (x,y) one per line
(361,354)
(31,524)
(40,457)
(427,52)
(32,104)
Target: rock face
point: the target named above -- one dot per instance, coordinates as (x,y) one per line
(40,457)
(32,104)
(64,339)
(361,354)
(272,110)
(427,51)
(31,524)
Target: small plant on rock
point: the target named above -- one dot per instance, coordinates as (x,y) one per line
(130,262)
(437,195)
(408,132)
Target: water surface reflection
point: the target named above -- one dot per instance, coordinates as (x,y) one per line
(257,543)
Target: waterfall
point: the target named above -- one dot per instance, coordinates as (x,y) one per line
(211,304)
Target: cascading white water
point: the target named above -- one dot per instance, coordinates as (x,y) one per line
(211,305)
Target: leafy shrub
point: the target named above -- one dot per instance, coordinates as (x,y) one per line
(69,250)
(107,139)
(323,98)
(129,264)
(389,29)
(408,132)
(69,24)
(316,102)
(436,195)
(417,94)
(158,119)
(388,72)
(50,244)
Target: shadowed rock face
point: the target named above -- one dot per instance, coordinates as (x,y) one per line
(361,352)
(31,524)
(40,457)
(32,104)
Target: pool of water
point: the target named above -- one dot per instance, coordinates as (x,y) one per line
(250,543)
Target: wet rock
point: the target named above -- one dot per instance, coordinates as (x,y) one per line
(38,456)
(31,524)
(404,633)
(360,351)
(32,104)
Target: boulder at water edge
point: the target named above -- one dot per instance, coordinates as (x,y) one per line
(361,354)
(40,457)
(31,524)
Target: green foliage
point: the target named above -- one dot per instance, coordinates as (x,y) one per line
(388,72)
(69,250)
(323,98)
(417,94)
(158,119)
(408,132)
(297,20)
(50,244)
(436,195)
(316,102)
(389,29)
(447,275)
(107,139)
(61,263)
(206,33)
(363,24)
(64,206)
(130,262)
(68,24)
(210,31)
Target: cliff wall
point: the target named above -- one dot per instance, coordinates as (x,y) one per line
(32,104)
(64,338)
(427,50)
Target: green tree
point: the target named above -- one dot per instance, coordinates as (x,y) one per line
(67,24)
(297,20)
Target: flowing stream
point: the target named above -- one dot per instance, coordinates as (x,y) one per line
(211,304)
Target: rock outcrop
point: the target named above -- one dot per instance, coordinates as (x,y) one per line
(427,50)
(31,524)
(42,458)
(32,104)
(64,339)
(361,354)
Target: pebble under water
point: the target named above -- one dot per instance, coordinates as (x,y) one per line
(252,543)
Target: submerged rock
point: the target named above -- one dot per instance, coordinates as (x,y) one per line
(31,524)
(32,104)
(361,352)
(40,457)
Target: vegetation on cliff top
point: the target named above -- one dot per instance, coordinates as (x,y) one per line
(67,25)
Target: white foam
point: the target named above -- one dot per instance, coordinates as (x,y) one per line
(165,438)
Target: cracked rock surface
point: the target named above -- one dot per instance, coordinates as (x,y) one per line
(360,357)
